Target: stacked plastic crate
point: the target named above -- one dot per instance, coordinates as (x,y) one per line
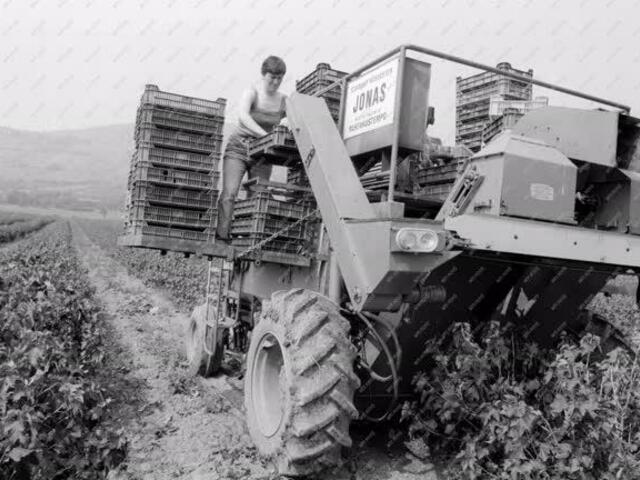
(433,182)
(174,170)
(272,223)
(436,181)
(257,218)
(375,178)
(445,163)
(322,77)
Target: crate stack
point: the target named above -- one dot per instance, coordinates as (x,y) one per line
(280,209)
(375,178)
(174,174)
(322,77)
(436,181)
(276,209)
(444,164)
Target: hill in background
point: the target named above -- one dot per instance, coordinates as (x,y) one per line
(84,169)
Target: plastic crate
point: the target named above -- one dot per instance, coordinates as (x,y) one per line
(334,110)
(278,143)
(321,77)
(178,217)
(177,120)
(297,176)
(148,135)
(427,178)
(375,183)
(439,174)
(277,245)
(154,96)
(143,228)
(281,136)
(144,171)
(265,225)
(375,179)
(437,192)
(162,157)
(334,95)
(173,197)
(275,251)
(264,203)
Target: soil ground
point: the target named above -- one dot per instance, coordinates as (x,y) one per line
(189,427)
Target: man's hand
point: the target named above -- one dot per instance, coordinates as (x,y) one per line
(284,122)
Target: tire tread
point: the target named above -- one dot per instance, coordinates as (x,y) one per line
(322,381)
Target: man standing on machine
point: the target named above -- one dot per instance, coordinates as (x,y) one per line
(262,107)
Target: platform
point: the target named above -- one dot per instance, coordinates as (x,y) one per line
(191,247)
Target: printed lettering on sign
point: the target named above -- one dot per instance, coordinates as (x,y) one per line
(542,191)
(370,100)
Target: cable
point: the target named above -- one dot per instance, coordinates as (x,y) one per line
(392,366)
(272,237)
(392,333)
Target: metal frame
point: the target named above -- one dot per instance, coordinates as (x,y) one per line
(547,240)
(375,276)
(360,238)
(165,244)
(401,51)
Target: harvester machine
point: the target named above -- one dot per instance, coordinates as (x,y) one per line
(332,306)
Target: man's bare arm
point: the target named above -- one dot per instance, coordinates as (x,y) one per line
(246,101)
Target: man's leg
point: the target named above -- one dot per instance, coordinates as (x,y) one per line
(233,170)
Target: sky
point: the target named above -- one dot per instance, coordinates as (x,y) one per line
(67,64)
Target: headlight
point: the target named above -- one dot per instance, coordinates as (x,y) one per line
(428,241)
(407,239)
(419,240)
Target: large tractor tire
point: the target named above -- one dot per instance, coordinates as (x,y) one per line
(300,383)
(203,361)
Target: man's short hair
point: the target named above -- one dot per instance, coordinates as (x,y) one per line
(273,65)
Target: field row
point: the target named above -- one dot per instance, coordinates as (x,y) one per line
(7,218)
(494,405)
(52,405)
(184,280)
(14,226)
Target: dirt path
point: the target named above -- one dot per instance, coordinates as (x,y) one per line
(184,427)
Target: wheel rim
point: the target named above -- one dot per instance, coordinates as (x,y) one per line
(268,396)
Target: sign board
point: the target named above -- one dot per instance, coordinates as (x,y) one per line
(370,100)
(370,114)
(541,191)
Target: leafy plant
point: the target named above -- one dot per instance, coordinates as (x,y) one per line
(52,406)
(15,228)
(500,408)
